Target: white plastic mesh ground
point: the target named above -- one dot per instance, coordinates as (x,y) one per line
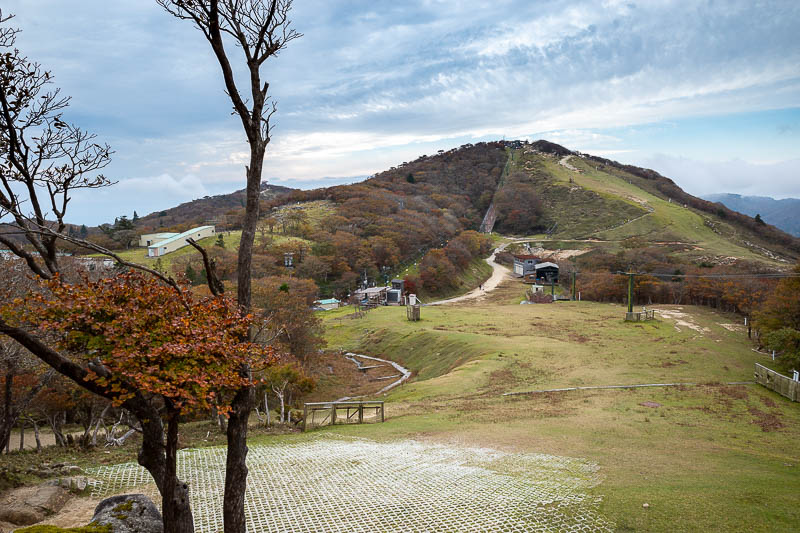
(356,485)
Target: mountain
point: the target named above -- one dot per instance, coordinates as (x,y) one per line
(209,209)
(545,190)
(784,214)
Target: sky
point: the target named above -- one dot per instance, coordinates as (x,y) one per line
(705,92)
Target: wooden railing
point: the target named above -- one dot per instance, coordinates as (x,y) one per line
(349,412)
(783,385)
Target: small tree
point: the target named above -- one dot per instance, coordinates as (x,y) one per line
(177,361)
(287,377)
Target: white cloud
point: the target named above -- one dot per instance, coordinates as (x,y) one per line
(779,180)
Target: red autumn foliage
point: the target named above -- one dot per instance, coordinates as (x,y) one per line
(146,338)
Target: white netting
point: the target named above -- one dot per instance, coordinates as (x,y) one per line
(357,485)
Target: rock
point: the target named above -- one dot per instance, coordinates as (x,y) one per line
(29,505)
(71,470)
(129,513)
(645,506)
(74,484)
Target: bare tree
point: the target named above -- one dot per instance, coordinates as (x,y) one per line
(260,29)
(17,363)
(43,160)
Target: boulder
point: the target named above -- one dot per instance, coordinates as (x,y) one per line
(28,505)
(129,513)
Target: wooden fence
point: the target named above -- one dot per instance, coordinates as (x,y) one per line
(783,385)
(332,413)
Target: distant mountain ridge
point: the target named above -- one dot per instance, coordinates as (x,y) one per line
(209,208)
(784,214)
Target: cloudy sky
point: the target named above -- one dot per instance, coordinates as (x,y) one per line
(707,93)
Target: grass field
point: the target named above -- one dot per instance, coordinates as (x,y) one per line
(711,457)
(231,239)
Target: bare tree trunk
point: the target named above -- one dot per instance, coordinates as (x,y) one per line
(235,466)
(55,426)
(21,434)
(279,394)
(266,408)
(9,415)
(36,434)
(174,496)
(153,456)
(97,425)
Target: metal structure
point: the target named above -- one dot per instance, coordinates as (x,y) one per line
(346,485)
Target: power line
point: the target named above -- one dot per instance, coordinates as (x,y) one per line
(715,276)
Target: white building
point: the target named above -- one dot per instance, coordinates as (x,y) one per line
(176,242)
(150,239)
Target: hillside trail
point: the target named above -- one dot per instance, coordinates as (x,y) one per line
(564,162)
(499,274)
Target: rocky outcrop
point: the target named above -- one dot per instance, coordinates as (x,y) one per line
(129,513)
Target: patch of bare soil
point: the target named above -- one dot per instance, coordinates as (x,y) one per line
(338,377)
(769,402)
(78,512)
(734,391)
(767,421)
(668,363)
(650,404)
(682,320)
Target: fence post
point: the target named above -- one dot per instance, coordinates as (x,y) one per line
(333,413)
(305,416)
(381,411)
(360,412)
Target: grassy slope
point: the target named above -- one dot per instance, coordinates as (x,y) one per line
(139,255)
(603,216)
(702,460)
(579,211)
(668,222)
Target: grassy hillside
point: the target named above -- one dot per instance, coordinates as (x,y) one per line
(589,198)
(709,457)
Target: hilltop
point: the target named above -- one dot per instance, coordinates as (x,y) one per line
(418,221)
(209,208)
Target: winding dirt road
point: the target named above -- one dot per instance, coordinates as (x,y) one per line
(499,274)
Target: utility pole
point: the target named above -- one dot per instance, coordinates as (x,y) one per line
(574,273)
(630,291)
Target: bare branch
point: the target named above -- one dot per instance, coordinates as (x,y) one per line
(214,284)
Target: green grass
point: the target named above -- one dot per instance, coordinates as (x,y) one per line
(608,205)
(579,211)
(711,457)
(315,211)
(669,221)
(139,255)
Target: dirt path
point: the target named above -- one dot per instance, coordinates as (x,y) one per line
(499,274)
